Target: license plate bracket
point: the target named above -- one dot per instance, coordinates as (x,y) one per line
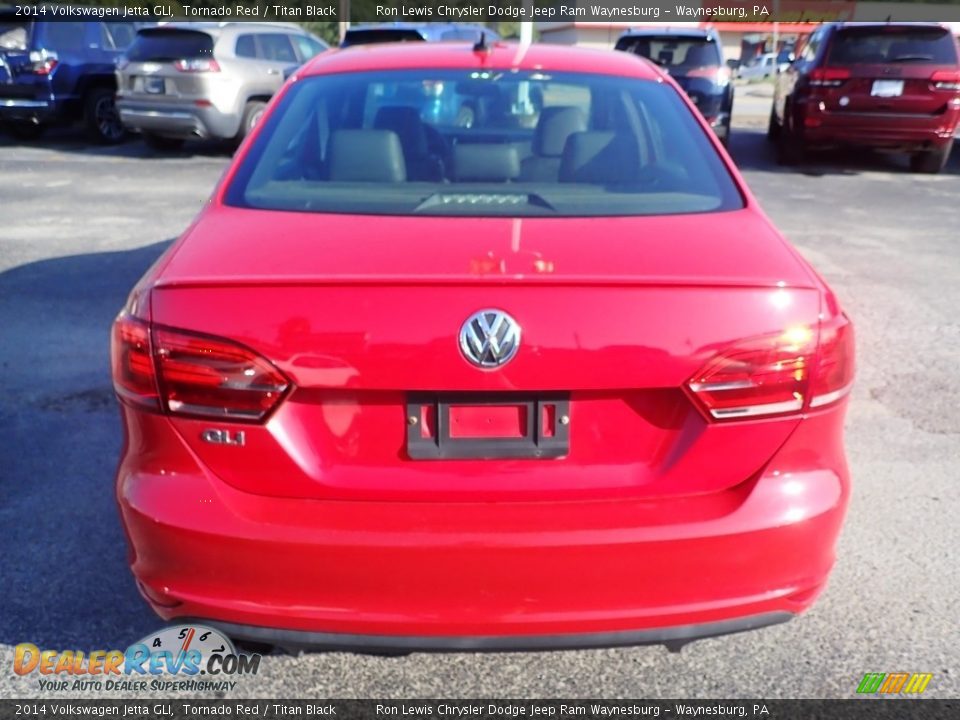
(154,85)
(545,432)
(886,88)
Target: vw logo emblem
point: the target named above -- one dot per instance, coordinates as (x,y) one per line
(489,338)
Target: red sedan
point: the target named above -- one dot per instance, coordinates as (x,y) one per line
(481,347)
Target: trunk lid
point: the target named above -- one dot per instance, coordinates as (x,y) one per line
(360,320)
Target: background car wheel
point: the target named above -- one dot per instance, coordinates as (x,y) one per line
(932,161)
(24,129)
(251,116)
(773,127)
(160,142)
(790,148)
(102,118)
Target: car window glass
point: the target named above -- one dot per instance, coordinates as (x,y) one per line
(64,37)
(468,142)
(673,52)
(809,52)
(246,46)
(307,46)
(118,36)
(276,47)
(13,35)
(165,45)
(892,44)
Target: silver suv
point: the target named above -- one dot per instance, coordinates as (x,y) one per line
(192,80)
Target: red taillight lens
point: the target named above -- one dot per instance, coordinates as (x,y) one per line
(762,376)
(946,80)
(720,75)
(133,374)
(833,377)
(205,376)
(829,77)
(193,65)
(187,374)
(778,374)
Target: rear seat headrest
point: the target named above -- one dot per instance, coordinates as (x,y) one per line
(601,158)
(485,162)
(366,156)
(555,125)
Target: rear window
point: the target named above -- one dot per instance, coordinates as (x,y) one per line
(167,45)
(483,143)
(672,52)
(368,37)
(13,34)
(892,44)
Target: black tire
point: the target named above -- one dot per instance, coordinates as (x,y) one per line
(932,161)
(790,147)
(162,143)
(251,116)
(773,127)
(24,129)
(101,117)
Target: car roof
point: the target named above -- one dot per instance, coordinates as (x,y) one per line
(499,55)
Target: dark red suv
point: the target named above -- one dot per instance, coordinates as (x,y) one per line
(890,86)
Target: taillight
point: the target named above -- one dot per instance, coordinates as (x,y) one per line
(778,374)
(946,80)
(42,62)
(833,376)
(188,374)
(195,65)
(719,75)
(134,377)
(828,77)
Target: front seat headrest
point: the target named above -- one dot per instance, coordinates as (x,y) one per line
(366,156)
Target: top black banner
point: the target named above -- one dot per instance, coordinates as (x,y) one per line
(630,12)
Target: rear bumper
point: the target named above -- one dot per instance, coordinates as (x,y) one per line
(19,109)
(177,120)
(879,130)
(407,575)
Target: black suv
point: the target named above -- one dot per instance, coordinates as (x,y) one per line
(694,59)
(54,72)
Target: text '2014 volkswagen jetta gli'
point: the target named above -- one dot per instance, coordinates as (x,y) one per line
(481,348)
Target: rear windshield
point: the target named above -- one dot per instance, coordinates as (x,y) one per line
(13,34)
(893,44)
(368,37)
(167,45)
(673,52)
(483,143)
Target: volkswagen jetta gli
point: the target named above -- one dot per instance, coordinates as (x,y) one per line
(542,375)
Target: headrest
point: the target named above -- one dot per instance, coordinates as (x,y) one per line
(366,156)
(699,55)
(600,157)
(555,125)
(485,162)
(406,123)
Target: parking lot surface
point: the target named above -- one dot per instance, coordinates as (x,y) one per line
(79,225)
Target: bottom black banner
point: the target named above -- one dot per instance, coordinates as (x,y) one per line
(153,709)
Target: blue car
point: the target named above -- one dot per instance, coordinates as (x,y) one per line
(61,72)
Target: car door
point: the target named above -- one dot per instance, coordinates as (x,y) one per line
(275,53)
(786,81)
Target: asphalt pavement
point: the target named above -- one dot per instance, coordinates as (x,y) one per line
(79,225)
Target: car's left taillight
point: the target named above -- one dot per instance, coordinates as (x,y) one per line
(185,373)
(42,62)
(197,65)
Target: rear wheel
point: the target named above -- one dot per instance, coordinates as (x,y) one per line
(773,127)
(931,161)
(251,116)
(790,147)
(162,143)
(24,129)
(102,118)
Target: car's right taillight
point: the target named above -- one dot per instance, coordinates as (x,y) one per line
(778,374)
(42,62)
(197,65)
(946,80)
(185,373)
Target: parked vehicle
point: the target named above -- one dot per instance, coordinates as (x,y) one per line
(414,387)
(193,80)
(694,59)
(416,32)
(60,72)
(888,86)
(759,68)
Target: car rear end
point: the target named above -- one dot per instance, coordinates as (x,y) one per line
(337,434)
(26,72)
(892,86)
(173,84)
(695,61)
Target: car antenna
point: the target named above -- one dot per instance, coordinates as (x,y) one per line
(481,44)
